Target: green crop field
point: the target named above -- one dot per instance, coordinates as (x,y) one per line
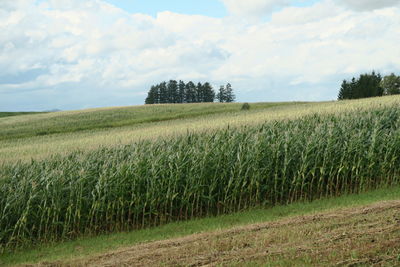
(23,138)
(9,114)
(135,171)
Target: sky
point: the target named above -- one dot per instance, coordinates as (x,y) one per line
(75,54)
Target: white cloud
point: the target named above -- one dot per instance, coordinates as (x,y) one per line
(369,4)
(311,14)
(92,53)
(253,7)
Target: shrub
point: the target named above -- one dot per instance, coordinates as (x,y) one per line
(245,106)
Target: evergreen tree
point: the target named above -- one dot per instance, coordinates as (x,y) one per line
(151,96)
(163,93)
(367,85)
(353,92)
(209,93)
(172,91)
(344,91)
(199,93)
(221,94)
(181,92)
(229,95)
(190,92)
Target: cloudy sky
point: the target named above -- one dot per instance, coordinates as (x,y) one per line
(73,54)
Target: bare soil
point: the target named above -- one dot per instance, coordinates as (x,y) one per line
(361,236)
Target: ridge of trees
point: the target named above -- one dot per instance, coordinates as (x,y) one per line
(369,85)
(181,92)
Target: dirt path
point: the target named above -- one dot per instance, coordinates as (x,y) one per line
(368,235)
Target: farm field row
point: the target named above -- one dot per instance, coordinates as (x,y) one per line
(39,136)
(177,120)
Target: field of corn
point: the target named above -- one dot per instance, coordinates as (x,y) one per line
(40,136)
(201,173)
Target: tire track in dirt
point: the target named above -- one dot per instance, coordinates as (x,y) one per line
(367,235)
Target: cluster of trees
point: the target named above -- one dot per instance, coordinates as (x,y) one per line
(181,92)
(225,94)
(369,85)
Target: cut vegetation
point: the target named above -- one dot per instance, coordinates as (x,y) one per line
(362,236)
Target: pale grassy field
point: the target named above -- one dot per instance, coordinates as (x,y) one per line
(42,146)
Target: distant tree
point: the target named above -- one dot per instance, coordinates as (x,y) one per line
(153,96)
(208,93)
(367,85)
(181,92)
(353,89)
(221,94)
(150,97)
(190,92)
(344,91)
(229,95)
(172,89)
(391,84)
(163,93)
(199,93)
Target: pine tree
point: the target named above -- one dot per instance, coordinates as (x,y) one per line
(199,93)
(190,92)
(209,93)
(367,85)
(172,89)
(229,95)
(221,94)
(150,96)
(181,92)
(157,94)
(344,92)
(163,93)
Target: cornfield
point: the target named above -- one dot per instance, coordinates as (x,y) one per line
(198,174)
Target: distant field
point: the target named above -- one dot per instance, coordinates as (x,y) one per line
(105,118)
(39,136)
(42,135)
(9,114)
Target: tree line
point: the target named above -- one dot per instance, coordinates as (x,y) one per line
(369,85)
(181,92)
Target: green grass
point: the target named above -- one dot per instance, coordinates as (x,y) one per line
(88,246)
(92,119)
(9,114)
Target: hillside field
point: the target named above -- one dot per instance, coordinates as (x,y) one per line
(75,174)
